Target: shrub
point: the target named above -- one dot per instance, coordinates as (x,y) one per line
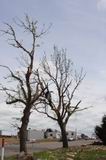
(101,130)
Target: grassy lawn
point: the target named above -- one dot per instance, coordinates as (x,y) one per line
(64,154)
(84,153)
(10,158)
(91,155)
(60,154)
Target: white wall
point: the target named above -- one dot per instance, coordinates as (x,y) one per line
(72,134)
(35,134)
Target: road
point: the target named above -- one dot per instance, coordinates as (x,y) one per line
(13,149)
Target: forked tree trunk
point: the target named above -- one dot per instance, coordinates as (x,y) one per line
(64,135)
(23,131)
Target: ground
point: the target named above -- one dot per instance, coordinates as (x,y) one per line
(78,150)
(89,152)
(9,140)
(13,149)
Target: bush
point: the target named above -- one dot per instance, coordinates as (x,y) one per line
(101,130)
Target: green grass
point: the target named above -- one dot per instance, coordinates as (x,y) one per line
(10,158)
(91,155)
(63,154)
(60,154)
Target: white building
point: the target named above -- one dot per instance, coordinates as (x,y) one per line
(72,135)
(52,134)
(55,134)
(34,135)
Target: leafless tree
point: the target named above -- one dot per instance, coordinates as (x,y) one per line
(61,82)
(23,88)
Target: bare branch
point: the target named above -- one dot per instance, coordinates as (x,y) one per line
(64,84)
(28,88)
(16,78)
(15,101)
(70,112)
(47,114)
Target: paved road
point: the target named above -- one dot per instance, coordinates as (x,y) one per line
(42,146)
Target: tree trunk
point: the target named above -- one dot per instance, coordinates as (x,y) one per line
(64,135)
(22,136)
(23,131)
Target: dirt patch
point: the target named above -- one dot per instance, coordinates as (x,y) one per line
(9,140)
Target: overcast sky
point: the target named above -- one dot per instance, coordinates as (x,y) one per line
(80,27)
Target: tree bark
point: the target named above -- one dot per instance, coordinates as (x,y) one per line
(64,135)
(23,131)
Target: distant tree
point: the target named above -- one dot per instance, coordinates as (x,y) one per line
(101,130)
(61,82)
(23,88)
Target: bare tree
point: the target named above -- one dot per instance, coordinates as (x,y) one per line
(23,88)
(61,82)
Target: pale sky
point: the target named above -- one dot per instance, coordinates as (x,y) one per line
(80,27)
